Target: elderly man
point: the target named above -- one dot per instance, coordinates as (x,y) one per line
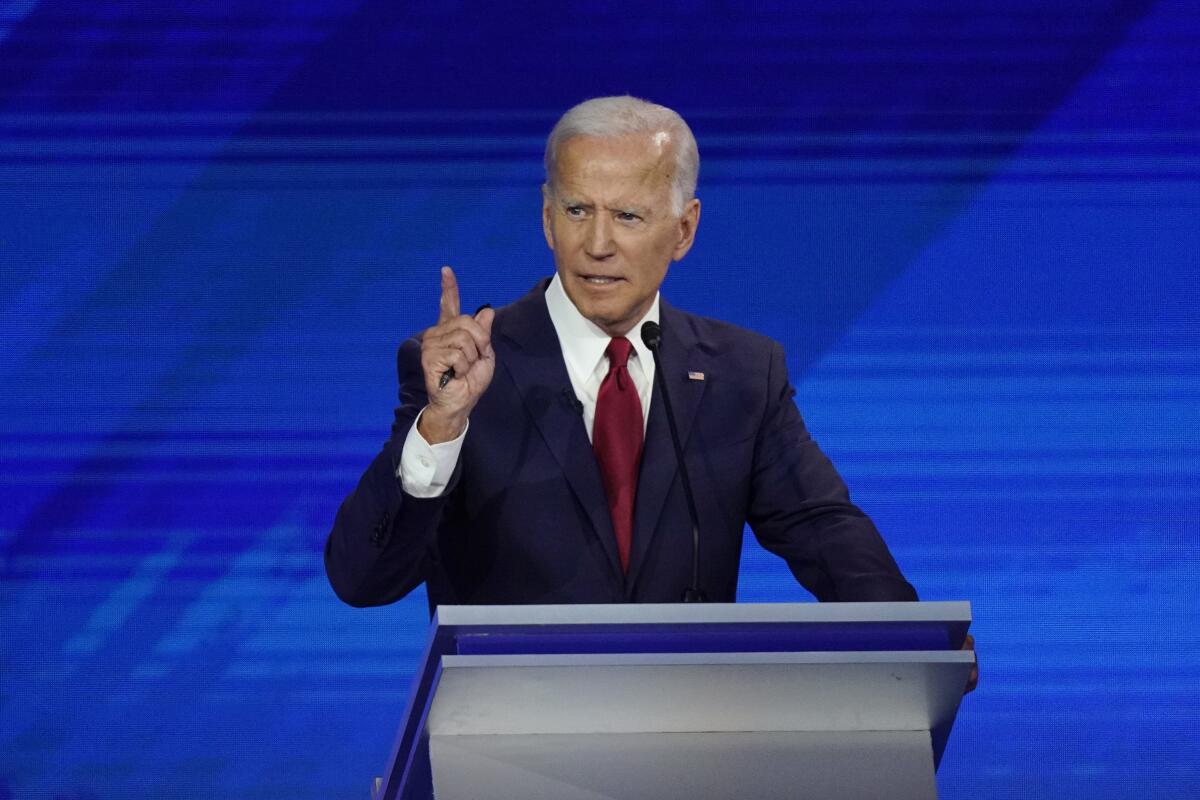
(531,459)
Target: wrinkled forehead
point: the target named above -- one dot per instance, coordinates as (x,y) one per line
(636,159)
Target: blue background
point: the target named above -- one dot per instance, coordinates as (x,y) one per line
(974,226)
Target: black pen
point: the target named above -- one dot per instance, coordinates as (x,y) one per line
(448,375)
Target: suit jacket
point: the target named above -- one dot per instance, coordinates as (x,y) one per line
(525,519)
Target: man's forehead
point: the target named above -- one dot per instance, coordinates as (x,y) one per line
(648,146)
(639,158)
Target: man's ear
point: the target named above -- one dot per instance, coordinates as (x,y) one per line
(689,220)
(547,215)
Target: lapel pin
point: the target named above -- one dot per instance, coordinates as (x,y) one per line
(695,376)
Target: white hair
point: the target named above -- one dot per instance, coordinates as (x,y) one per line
(610,117)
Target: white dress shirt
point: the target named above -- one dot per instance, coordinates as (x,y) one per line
(425,469)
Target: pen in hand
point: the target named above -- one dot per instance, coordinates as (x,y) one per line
(448,375)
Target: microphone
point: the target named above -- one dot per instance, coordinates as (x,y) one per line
(652,338)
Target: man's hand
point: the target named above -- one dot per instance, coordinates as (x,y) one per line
(973,681)
(464,344)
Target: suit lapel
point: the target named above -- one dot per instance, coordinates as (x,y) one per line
(679,355)
(527,348)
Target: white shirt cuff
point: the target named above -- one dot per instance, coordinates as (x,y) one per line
(426,468)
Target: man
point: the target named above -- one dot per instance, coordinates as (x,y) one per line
(530,459)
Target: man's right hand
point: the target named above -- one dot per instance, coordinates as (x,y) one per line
(462,343)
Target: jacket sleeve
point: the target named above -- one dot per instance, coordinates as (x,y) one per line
(800,509)
(381,540)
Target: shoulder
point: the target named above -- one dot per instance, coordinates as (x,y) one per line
(744,372)
(721,339)
(525,320)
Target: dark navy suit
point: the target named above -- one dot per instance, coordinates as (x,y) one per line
(524,519)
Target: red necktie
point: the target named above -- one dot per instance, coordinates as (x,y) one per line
(617,440)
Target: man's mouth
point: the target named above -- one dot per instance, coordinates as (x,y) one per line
(600,280)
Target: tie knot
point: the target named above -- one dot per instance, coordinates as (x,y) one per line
(618,352)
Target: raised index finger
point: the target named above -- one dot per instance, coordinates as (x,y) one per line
(448,306)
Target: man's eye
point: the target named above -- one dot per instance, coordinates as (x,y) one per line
(573,211)
(628,216)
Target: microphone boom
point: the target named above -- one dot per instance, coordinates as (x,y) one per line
(652,338)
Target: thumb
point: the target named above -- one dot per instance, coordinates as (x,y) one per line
(485,318)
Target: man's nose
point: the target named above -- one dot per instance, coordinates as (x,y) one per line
(599,242)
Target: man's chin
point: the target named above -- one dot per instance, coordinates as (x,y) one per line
(612,324)
(606,313)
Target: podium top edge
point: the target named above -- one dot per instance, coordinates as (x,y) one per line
(956,611)
(923,658)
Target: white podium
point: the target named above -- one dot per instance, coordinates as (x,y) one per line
(838,700)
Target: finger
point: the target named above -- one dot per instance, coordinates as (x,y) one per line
(484,319)
(460,363)
(471,327)
(973,678)
(462,332)
(453,357)
(448,306)
(461,324)
(462,341)
(443,360)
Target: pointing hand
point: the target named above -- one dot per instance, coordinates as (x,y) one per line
(461,343)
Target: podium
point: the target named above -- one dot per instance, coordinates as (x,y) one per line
(587,702)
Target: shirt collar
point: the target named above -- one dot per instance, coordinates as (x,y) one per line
(583,342)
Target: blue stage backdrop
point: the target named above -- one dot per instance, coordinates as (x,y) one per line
(974,226)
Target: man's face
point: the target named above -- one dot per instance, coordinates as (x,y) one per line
(608,220)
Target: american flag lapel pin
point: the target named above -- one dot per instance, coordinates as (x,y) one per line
(695,376)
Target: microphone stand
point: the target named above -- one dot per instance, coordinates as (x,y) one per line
(652,337)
